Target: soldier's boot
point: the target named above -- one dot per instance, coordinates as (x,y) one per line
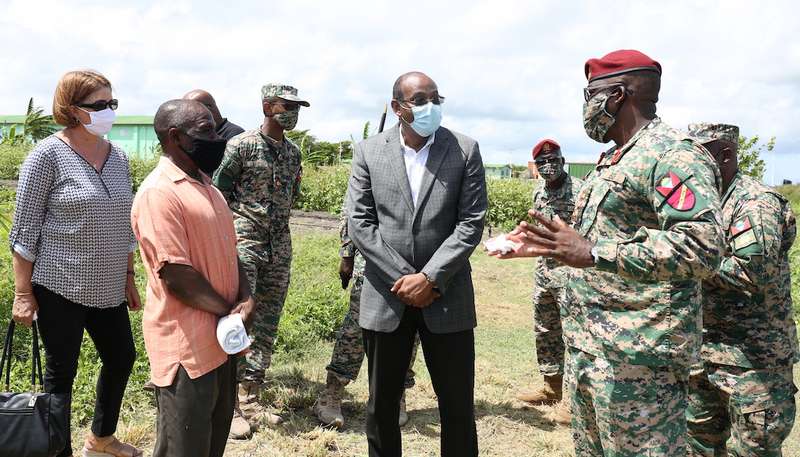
(328,407)
(560,413)
(240,427)
(248,397)
(402,418)
(548,394)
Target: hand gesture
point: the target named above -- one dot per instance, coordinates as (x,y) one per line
(550,238)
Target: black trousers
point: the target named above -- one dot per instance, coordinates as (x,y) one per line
(450,358)
(194,415)
(61,324)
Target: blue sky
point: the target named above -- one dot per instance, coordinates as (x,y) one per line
(512,71)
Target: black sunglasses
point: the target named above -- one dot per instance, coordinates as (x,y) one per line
(101,105)
(539,162)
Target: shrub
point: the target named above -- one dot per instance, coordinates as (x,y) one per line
(323,188)
(7,197)
(11,158)
(792,192)
(509,202)
(141,167)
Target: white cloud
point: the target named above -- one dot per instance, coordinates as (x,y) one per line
(512,70)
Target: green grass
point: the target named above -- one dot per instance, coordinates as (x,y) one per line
(316,302)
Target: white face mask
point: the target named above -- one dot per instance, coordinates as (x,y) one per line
(100,121)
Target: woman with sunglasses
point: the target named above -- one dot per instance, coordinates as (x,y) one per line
(73,247)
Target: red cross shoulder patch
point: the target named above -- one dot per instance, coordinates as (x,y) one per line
(741,226)
(676,192)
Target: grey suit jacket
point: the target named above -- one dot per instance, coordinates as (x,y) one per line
(437,237)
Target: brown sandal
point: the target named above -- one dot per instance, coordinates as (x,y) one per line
(113,448)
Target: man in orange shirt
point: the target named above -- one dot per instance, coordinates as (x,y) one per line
(188,246)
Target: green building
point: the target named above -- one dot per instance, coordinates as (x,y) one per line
(578,169)
(134,134)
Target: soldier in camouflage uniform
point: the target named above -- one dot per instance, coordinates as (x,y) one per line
(741,397)
(348,351)
(554,196)
(646,234)
(260,178)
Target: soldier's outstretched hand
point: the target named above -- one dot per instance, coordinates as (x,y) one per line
(550,238)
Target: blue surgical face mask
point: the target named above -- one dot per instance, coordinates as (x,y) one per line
(427,119)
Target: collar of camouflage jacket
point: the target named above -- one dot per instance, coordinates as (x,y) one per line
(613,155)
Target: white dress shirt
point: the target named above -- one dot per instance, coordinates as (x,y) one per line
(415,164)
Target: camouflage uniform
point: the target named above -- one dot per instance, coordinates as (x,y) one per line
(260,178)
(743,390)
(348,351)
(632,322)
(549,280)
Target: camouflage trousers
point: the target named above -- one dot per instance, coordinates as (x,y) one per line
(348,351)
(547,330)
(739,412)
(625,410)
(269,283)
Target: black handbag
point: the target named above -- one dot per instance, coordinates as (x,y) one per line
(31,424)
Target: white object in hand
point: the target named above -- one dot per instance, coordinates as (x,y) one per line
(499,244)
(232,335)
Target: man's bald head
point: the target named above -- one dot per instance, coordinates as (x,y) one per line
(202,96)
(412,78)
(181,114)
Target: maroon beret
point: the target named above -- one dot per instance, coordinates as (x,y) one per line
(619,62)
(545,145)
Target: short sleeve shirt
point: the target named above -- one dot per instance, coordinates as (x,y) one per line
(180,220)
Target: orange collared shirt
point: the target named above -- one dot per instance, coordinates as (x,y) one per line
(180,220)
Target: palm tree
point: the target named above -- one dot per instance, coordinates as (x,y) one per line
(37,126)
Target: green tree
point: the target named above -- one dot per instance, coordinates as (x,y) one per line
(318,153)
(37,125)
(750,161)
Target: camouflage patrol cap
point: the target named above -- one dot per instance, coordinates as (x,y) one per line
(706,132)
(282,91)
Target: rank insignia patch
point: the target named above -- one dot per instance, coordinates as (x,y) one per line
(676,192)
(745,239)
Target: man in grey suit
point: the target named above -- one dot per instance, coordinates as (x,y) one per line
(417,201)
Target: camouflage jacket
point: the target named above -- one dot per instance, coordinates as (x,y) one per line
(551,202)
(747,314)
(652,209)
(260,179)
(348,249)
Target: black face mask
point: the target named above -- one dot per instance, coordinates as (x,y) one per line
(206,154)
